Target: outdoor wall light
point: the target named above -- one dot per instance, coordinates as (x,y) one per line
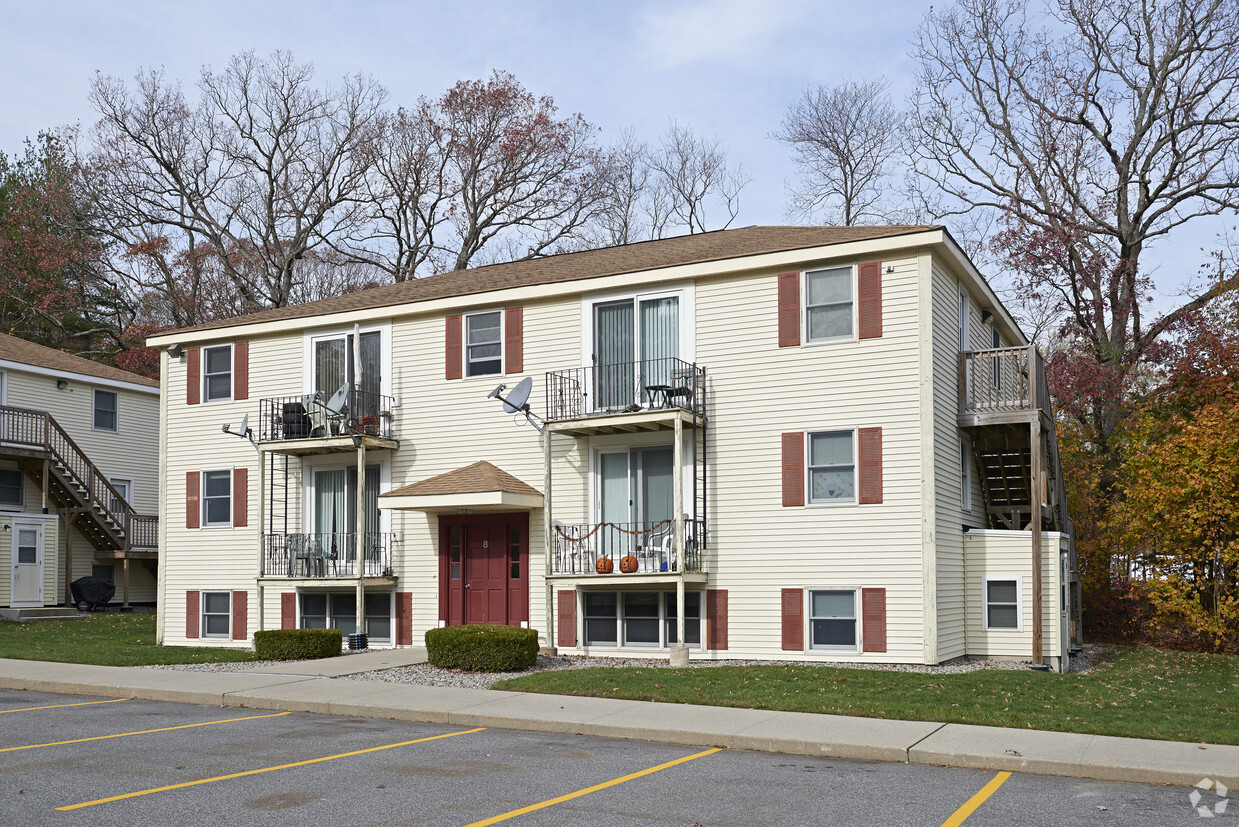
(61,384)
(175,352)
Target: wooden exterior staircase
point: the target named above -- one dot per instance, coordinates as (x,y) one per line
(73,485)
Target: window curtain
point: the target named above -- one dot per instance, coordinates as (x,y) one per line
(660,340)
(614,382)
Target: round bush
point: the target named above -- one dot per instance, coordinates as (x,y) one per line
(297,644)
(482,648)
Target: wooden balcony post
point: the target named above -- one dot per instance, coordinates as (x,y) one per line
(963,381)
(1034,490)
(359,533)
(677,542)
(548,531)
(262,533)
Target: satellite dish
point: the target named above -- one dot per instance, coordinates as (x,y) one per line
(244,432)
(245,424)
(338,402)
(519,396)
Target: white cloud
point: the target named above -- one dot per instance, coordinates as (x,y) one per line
(713,29)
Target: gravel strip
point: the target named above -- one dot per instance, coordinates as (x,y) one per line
(423,674)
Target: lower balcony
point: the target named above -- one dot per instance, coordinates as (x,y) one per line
(622,549)
(322,556)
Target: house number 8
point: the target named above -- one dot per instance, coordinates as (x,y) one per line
(486,544)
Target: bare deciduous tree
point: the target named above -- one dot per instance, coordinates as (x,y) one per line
(691,173)
(261,169)
(1095,135)
(843,139)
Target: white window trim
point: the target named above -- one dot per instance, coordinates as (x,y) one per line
(385,356)
(808,487)
(202,615)
(965,474)
(807,605)
(128,481)
(664,642)
(688,316)
(19,506)
(330,616)
(1019,602)
(309,512)
(965,323)
(4,387)
(804,307)
(464,343)
(202,497)
(94,409)
(232,374)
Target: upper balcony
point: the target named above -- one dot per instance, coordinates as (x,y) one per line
(1002,386)
(646,395)
(322,423)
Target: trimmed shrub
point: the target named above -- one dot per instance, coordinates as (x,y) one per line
(297,644)
(482,648)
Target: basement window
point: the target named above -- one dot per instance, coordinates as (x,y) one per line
(1002,604)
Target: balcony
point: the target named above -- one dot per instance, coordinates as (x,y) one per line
(1002,386)
(327,555)
(315,423)
(647,395)
(623,550)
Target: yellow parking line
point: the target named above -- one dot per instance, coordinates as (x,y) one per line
(142,732)
(588,790)
(958,817)
(264,769)
(61,706)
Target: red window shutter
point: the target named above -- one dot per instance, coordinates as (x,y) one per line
(404,618)
(453,352)
(567,617)
(240,497)
(193,375)
(288,610)
(240,612)
(870,294)
(873,613)
(193,508)
(193,620)
(793,620)
(513,340)
(240,370)
(716,618)
(870,465)
(789,310)
(793,468)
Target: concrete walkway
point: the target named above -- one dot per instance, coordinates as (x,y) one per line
(312,687)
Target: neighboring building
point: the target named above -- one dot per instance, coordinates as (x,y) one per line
(79,484)
(820,442)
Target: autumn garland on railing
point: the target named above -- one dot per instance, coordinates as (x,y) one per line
(559,530)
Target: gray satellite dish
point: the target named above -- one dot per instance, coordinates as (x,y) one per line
(519,397)
(244,432)
(338,402)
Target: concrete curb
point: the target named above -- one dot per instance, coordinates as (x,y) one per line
(1099,757)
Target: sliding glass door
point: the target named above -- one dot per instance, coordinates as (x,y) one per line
(634,340)
(636,499)
(335,509)
(335,367)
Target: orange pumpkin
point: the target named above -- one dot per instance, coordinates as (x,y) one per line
(628,564)
(604,565)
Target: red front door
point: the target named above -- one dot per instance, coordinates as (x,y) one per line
(483,568)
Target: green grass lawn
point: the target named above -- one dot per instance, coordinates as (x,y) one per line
(106,639)
(1142,693)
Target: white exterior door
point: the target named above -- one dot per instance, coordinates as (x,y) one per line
(1064,591)
(27,565)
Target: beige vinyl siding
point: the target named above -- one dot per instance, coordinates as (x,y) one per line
(131,452)
(1002,554)
(757,391)
(31,509)
(217,559)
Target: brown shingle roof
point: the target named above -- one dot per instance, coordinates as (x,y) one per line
(14,349)
(608,261)
(478,478)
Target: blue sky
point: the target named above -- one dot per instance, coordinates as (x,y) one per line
(728,68)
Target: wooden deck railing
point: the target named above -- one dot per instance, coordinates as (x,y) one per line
(1002,380)
(39,430)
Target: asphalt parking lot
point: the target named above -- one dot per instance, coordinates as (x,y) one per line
(69,759)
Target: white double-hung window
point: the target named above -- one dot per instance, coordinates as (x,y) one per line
(484,343)
(828,304)
(832,620)
(832,466)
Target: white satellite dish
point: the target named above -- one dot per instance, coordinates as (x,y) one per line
(337,405)
(244,432)
(518,398)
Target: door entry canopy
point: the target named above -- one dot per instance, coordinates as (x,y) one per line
(479,487)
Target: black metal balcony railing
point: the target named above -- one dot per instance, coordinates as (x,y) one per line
(601,548)
(317,415)
(328,554)
(647,385)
